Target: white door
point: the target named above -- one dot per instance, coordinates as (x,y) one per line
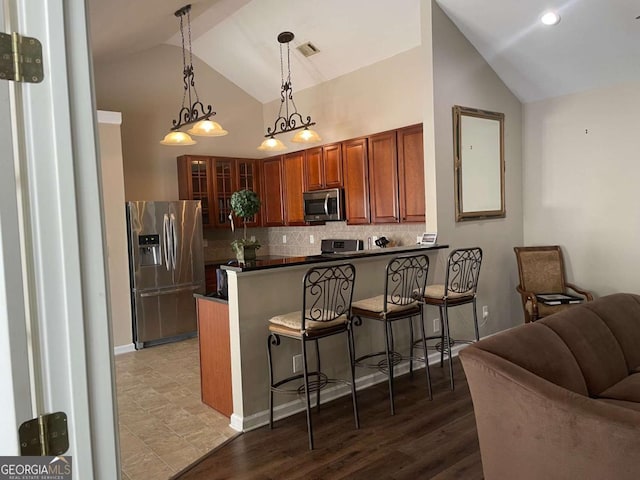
(55,347)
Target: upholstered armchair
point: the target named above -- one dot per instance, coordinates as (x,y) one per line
(541,270)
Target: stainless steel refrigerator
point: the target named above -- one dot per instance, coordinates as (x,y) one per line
(166,268)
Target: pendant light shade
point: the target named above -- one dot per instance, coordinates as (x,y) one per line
(306,136)
(207,128)
(288,118)
(272,145)
(177,139)
(195,113)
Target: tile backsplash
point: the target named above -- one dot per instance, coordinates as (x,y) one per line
(298,239)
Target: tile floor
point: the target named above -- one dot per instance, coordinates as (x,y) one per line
(164,426)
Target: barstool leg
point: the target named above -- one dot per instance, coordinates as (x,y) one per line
(350,344)
(475,320)
(318,375)
(307,394)
(447,341)
(272,339)
(388,335)
(441,337)
(411,347)
(426,356)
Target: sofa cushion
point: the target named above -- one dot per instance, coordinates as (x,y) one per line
(627,389)
(539,350)
(593,345)
(621,403)
(616,312)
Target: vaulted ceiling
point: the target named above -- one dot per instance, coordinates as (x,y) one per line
(596,43)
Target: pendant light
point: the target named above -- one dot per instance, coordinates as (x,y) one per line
(194,112)
(288,119)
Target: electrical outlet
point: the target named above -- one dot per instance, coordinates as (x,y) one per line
(253,238)
(297,363)
(312,239)
(284,239)
(436,325)
(205,243)
(485,312)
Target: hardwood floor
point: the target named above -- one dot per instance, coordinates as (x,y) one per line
(425,439)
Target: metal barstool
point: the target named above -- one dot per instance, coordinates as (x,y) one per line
(459,288)
(326,311)
(404,286)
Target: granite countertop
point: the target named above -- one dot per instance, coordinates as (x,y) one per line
(273,261)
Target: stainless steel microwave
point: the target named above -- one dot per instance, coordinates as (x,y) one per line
(323,205)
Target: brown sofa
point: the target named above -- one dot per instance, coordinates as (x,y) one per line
(560,398)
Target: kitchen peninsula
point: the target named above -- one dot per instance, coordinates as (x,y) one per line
(264,288)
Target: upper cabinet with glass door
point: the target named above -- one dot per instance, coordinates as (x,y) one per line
(212,180)
(478,137)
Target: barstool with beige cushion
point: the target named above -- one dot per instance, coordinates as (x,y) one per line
(405,281)
(459,288)
(326,311)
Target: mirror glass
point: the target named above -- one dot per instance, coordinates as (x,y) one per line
(478,137)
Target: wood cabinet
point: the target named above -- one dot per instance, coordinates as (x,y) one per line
(294,186)
(272,197)
(194,183)
(323,167)
(383,178)
(356,181)
(411,174)
(212,180)
(248,178)
(215,354)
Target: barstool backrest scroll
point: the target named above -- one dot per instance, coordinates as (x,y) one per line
(328,293)
(406,279)
(463,270)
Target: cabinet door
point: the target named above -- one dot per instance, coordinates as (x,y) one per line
(356,181)
(411,173)
(194,183)
(248,178)
(383,178)
(224,185)
(332,163)
(272,205)
(314,167)
(293,174)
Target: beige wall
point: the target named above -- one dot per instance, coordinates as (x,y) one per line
(147,88)
(462,77)
(379,97)
(115,227)
(581,184)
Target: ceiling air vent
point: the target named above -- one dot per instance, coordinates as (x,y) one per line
(308,49)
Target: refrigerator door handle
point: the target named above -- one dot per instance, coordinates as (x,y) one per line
(167,242)
(174,241)
(171,291)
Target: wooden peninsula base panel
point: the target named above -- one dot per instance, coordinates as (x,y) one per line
(215,354)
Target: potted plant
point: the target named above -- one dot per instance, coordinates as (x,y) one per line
(244,204)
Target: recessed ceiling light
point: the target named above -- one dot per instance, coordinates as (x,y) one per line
(550,18)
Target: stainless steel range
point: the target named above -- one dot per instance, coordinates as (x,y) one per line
(331,245)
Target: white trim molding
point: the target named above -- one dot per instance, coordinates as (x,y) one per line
(114,118)
(127,348)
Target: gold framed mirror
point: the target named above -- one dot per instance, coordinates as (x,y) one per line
(478,146)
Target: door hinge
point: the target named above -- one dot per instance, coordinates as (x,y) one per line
(20,58)
(44,436)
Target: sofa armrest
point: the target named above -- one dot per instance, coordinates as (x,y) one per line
(530,428)
(579,290)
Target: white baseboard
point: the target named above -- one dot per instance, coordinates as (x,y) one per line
(236,422)
(261,418)
(120,349)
